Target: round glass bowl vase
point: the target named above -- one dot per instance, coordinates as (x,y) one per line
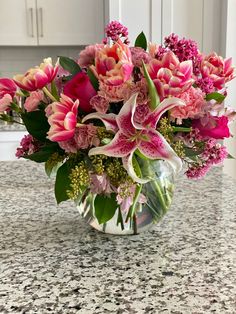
(158,193)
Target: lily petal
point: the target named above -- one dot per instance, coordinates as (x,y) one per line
(128,165)
(125,116)
(164,106)
(109,120)
(156,147)
(120,146)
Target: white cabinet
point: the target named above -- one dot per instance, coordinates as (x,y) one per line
(18,23)
(51,22)
(200,20)
(70,22)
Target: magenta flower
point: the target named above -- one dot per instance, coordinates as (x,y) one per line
(131,136)
(115,30)
(63,119)
(215,127)
(38,77)
(7,92)
(170,76)
(113,65)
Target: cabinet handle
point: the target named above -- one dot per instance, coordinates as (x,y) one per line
(31,22)
(41,21)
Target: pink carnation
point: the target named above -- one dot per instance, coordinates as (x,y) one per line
(5,102)
(139,55)
(85,136)
(99,103)
(32,102)
(87,55)
(194,100)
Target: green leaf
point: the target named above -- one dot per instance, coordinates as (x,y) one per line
(36,124)
(62,183)
(45,153)
(230,156)
(141,41)
(155,100)
(54,90)
(105,207)
(93,79)
(51,168)
(69,65)
(215,96)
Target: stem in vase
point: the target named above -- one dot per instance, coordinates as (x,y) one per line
(135,226)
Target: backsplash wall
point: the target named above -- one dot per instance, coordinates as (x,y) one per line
(17,60)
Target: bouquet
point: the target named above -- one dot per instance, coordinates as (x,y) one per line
(116,125)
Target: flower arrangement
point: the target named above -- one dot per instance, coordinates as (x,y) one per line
(100,121)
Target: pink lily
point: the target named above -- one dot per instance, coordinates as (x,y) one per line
(131,136)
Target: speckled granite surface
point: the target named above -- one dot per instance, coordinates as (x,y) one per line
(50,262)
(11,127)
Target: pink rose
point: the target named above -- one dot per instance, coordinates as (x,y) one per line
(63,119)
(38,77)
(32,102)
(80,87)
(113,65)
(213,127)
(194,100)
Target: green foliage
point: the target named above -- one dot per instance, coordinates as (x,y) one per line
(141,41)
(215,96)
(93,79)
(105,207)
(69,65)
(36,124)
(62,184)
(155,100)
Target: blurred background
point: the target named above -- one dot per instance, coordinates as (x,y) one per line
(31,30)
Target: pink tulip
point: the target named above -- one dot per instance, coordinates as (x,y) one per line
(32,102)
(219,70)
(131,135)
(80,87)
(213,127)
(113,65)
(170,76)
(63,120)
(38,77)
(7,86)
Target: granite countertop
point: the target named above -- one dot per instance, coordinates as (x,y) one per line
(51,262)
(11,126)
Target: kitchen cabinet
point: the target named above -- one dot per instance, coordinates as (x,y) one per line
(200,20)
(18,23)
(51,22)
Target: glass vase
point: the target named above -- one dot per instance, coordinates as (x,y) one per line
(158,192)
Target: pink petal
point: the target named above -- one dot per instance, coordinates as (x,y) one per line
(60,136)
(128,165)
(156,147)
(109,120)
(164,106)
(70,121)
(125,116)
(120,146)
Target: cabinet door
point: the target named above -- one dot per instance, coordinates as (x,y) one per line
(70,22)
(138,16)
(18,23)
